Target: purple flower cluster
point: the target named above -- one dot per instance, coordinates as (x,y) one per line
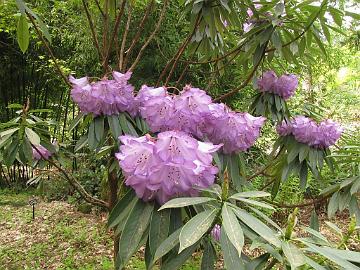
(283,86)
(104,97)
(193,112)
(216,232)
(44,152)
(172,165)
(307,131)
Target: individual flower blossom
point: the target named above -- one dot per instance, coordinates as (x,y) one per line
(216,232)
(286,85)
(191,106)
(172,165)
(284,128)
(158,112)
(267,82)
(104,97)
(147,93)
(44,153)
(237,131)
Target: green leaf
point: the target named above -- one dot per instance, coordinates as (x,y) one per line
(256,203)
(338,260)
(8,132)
(314,221)
(99,128)
(10,152)
(167,245)
(174,261)
(303,152)
(93,142)
(27,150)
(122,208)
(234,170)
(114,124)
(336,15)
(333,205)
(250,194)
(348,255)
(294,256)
(231,256)
(232,228)
(81,143)
(159,229)
(257,226)
(185,201)
(196,227)
(208,257)
(303,175)
(293,153)
(135,226)
(266,218)
(32,136)
(313,264)
(22,32)
(75,121)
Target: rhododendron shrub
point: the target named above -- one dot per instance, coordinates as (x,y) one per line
(181,162)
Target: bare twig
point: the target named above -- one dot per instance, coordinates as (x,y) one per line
(138,33)
(157,27)
(74,183)
(113,36)
(299,205)
(182,49)
(245,83)
(123,42)
(92,28)
(48,49)
(100,9)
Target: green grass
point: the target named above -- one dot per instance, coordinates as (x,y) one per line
(59,238)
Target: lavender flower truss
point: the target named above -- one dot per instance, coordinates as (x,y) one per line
(193,112)
(44,152)
(104,97)
(307,131)
(216,232)
(172,165)
(284,86)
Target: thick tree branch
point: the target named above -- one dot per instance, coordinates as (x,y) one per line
(48,49)
(157,27)
(74,183)
(92,28)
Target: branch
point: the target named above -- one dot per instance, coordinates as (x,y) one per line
(182,49)
(123,42)
(98,5)
(247,80)
(303,32)
(312,202)
(92,28)
(74,183)
(138,33)
(114,34)
(157,27)
(48,49)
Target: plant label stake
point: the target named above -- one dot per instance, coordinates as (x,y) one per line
(32,202)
